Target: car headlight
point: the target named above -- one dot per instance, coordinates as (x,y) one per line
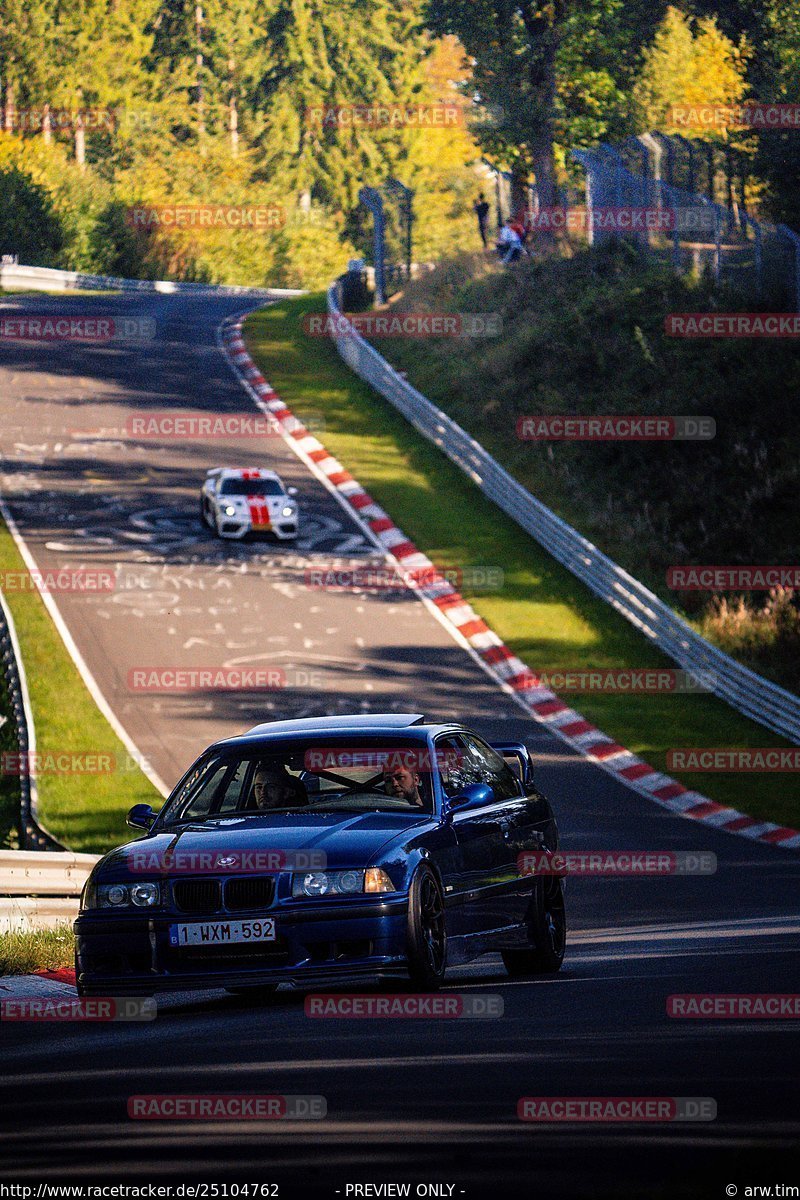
(229,510)
(287,510)
(340,883)
(122,895)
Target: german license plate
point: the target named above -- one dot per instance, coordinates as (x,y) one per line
(210,933)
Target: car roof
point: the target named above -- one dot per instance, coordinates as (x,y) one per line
(246,473)
(363,724)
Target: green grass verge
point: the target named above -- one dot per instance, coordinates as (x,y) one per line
(85,812)
(542,612)
(22,953)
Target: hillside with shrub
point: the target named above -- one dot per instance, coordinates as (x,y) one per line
(583,333)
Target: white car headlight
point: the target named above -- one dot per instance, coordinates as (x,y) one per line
(229,510)
(123,895)
(287,510)
(340,883)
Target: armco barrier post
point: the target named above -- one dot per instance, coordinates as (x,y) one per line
(371,199)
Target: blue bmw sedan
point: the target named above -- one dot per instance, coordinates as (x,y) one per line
(323,850)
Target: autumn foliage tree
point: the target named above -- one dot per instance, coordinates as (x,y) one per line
(690,65)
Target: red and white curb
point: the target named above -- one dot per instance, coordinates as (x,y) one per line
(505,667)
(45,985)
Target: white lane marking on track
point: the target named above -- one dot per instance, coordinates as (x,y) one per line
(78,659)
(747,927)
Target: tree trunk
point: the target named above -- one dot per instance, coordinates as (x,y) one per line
(80,142)
(545,172)
(233,115)
(233,126)
(201,120)
(543,34)
(47,128)
(519,195)
(8,116)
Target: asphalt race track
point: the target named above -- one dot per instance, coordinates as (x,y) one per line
(420,1100)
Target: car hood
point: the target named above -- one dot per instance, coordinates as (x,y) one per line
(346,841)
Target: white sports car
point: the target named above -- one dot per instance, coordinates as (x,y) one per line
(235,501)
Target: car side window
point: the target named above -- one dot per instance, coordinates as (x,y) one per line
(231,799)
(451,761)
(200,803)
(492,768)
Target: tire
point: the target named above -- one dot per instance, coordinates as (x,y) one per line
(426,939)
(547,934)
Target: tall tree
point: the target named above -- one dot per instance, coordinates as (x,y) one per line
(778,155)
(691,64)
(515,48)
(321,61)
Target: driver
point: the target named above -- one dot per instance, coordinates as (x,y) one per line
(274,787)
(403,783)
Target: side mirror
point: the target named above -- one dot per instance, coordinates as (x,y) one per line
(473,795)
(291,491)
(141,816)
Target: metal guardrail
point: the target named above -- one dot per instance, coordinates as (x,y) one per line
(40,890)
(12,275)
(746,691)
(33,836)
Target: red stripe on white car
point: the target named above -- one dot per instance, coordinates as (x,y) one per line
(259,512)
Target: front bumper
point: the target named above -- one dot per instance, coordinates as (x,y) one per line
(282,530)
(131,954)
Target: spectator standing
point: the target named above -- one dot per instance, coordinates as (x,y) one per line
(482,212)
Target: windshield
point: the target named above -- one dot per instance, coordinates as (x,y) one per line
(251,487)
(364,777)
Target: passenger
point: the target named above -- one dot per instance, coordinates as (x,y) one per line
(274,787)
